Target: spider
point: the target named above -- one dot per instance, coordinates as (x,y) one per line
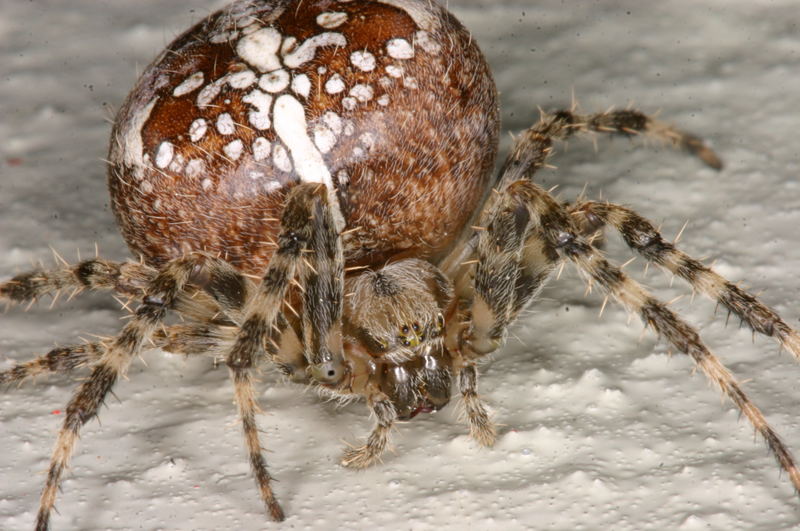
(334,275)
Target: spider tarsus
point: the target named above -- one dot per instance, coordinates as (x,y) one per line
(696,146)
(57,360)
(360,457)
(481,427)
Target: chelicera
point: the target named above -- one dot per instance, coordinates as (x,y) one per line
(309,185)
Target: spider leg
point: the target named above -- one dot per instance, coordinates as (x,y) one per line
(559,230)
(225,290)
(534,146)
(193,339)
(113,363)
(300,220)
(377,442)
(514,258)
(513,262)
(125,278)
(221,294)
(59,359)
(640,235)
(321,275)
(481,426)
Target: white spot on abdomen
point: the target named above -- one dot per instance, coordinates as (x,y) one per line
(301,85)
(260,49)
(176,166)
(261,149)
(209,92)
(306,51)
(274,81)
(424,39)
(334,85)
(198,130)
(259,118)
(195,167)
(241,80)
(324,138)
(190,84)
(399,49)
(290,125)
(333,121)
(281,158)
(225,124)
(234,150)
(164,154)
(363,60)
(331,20)
(395,70)
(349,103)
(362,93)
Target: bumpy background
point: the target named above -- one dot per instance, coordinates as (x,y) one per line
(600,427)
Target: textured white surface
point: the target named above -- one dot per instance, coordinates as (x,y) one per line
(599,428)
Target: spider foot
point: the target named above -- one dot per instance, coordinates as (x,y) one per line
(370,453)
(481,427)
(359,457)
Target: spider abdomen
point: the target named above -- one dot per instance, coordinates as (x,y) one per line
(387,103)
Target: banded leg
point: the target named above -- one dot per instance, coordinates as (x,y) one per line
(222,298)
(217,293)
(559,230)
(57,360)
(261,315)
(322,279)
(377,442)
(512,266)
(641,236)
(113,363)
(481,427)
(175,339)
(124,278)
(534,146)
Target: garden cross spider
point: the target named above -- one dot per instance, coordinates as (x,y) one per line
(309,187)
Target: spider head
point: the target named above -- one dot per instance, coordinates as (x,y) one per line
(395,311)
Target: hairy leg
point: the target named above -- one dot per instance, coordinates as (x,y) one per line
(377,442)
(559,231)
(125,278)
(512,262)
(640,235)
(261,314)
(321,273)
(113,363)
(57,360)
(534,147)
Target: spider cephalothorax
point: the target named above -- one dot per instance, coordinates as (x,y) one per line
(308,184)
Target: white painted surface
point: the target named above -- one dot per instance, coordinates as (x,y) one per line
(600,429)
